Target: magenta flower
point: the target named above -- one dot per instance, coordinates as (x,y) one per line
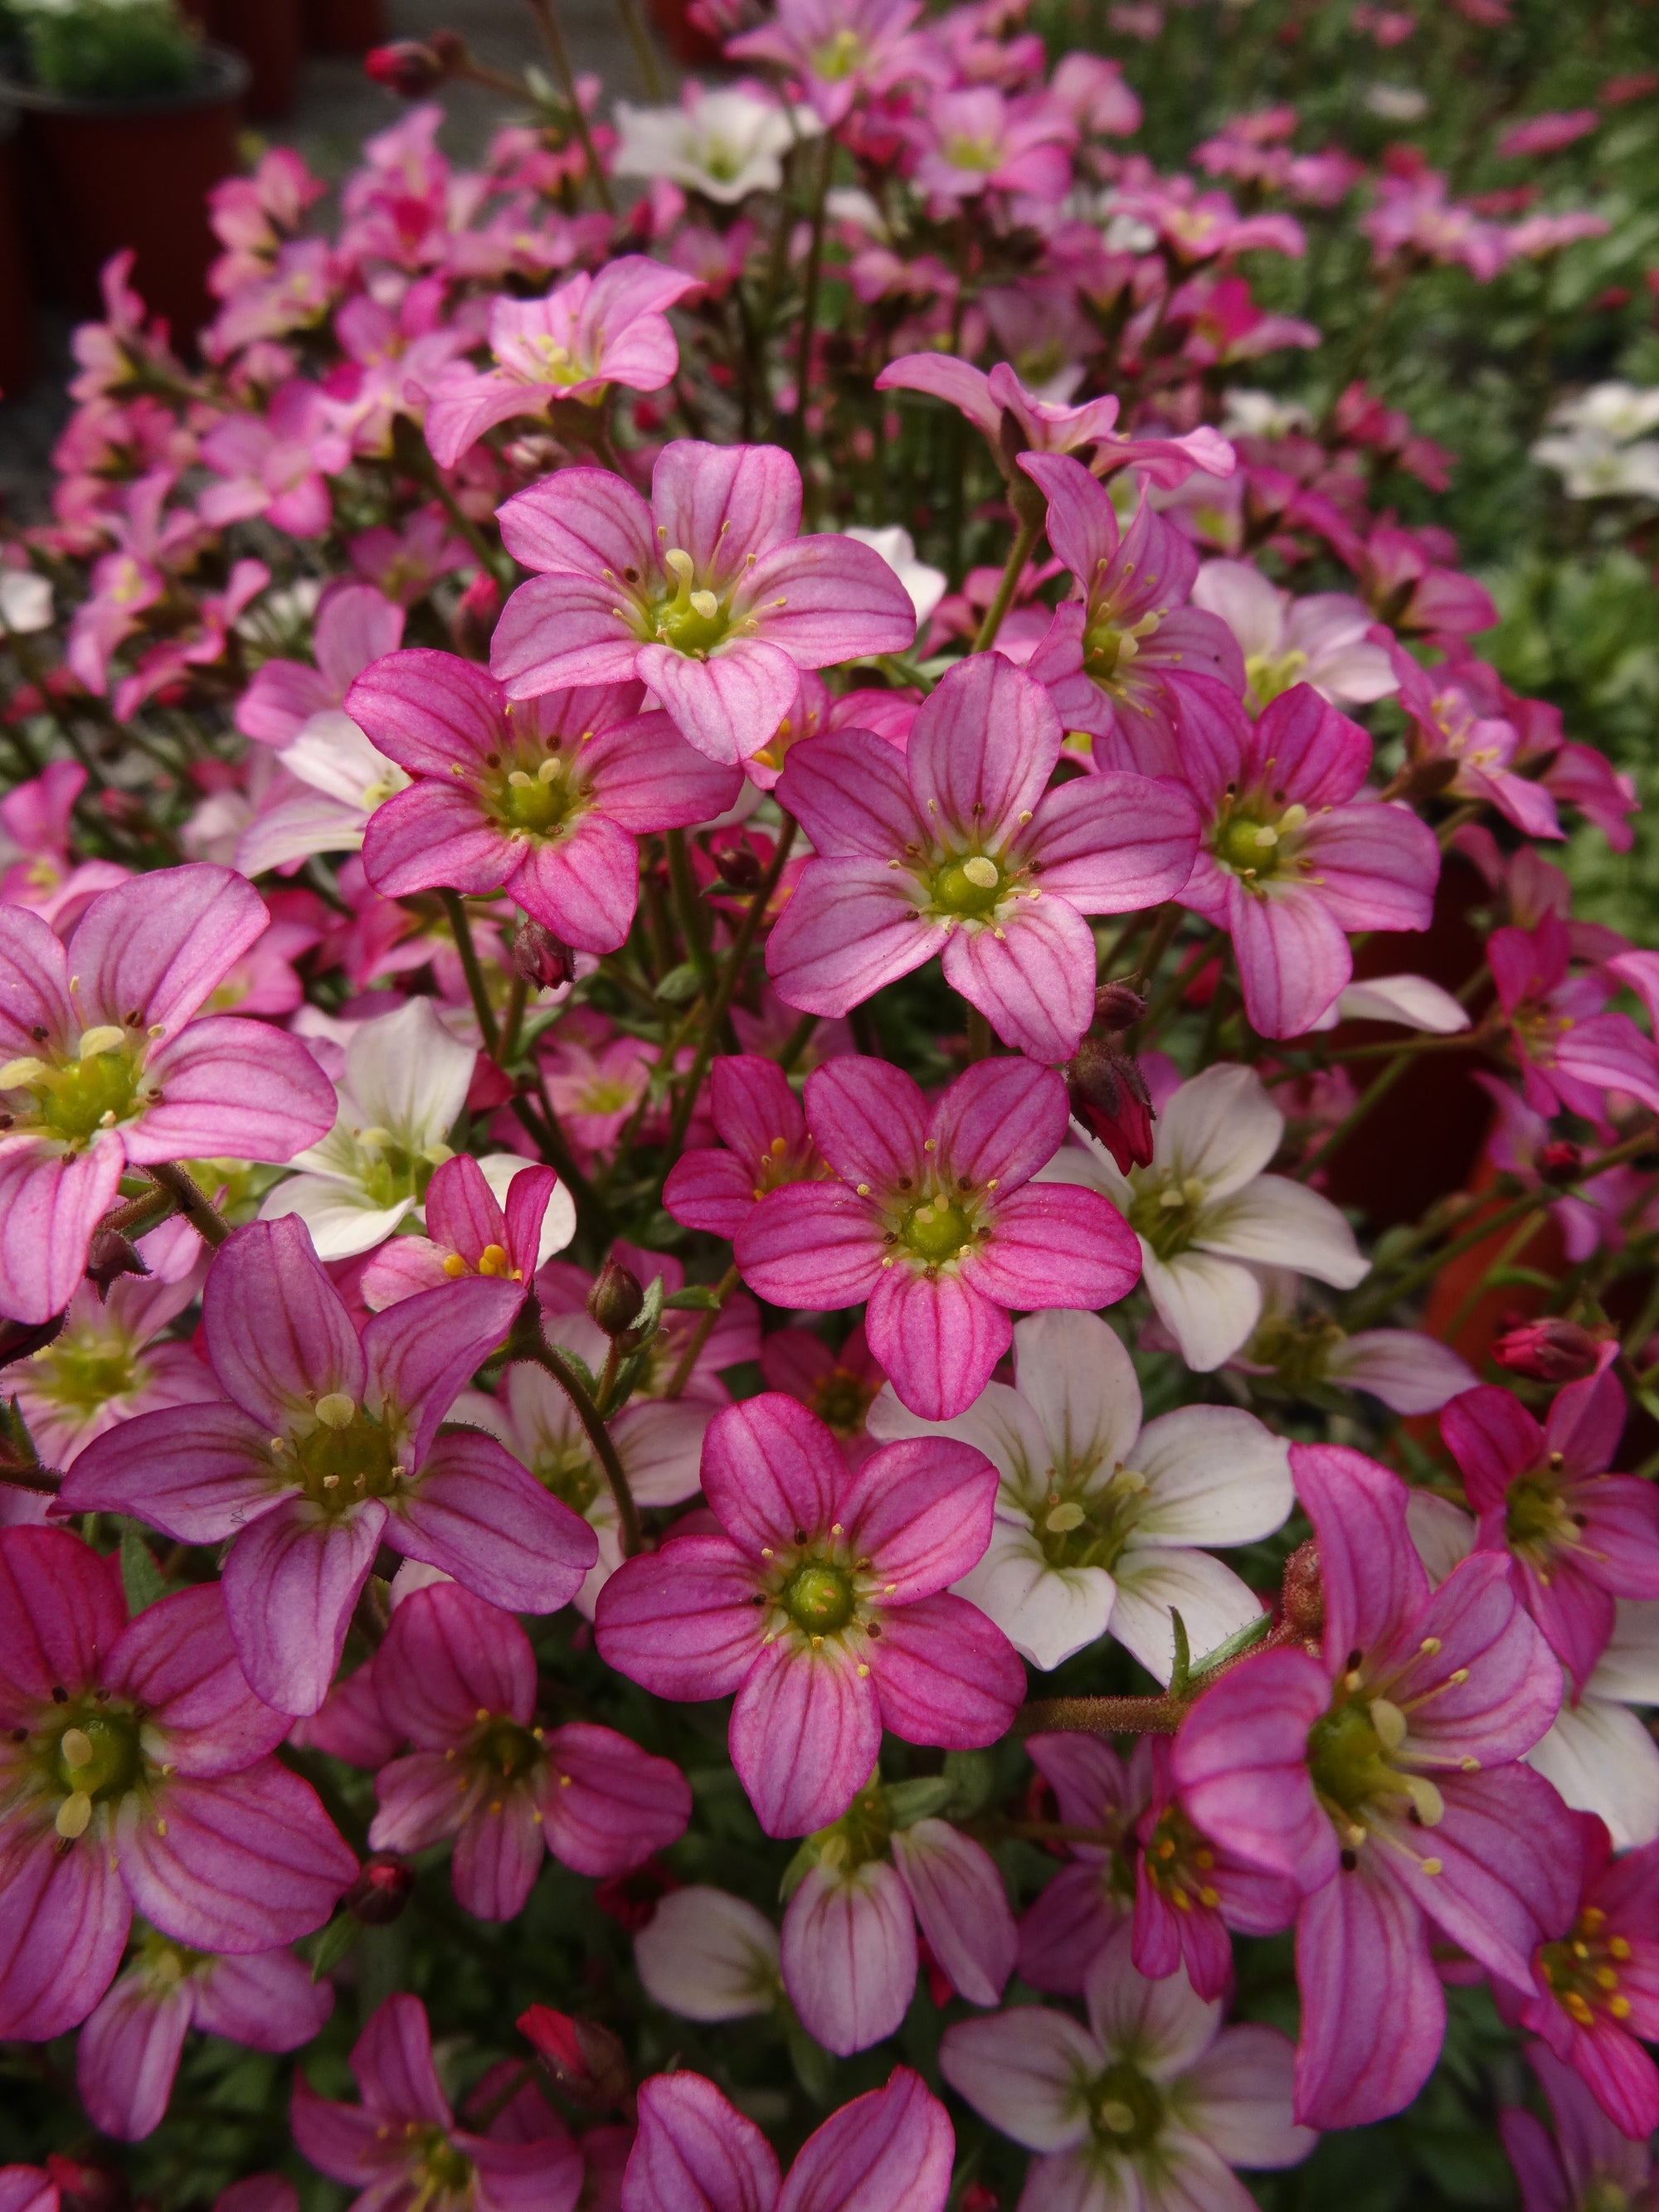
(324,1449)
(887,2151)
(471,1232)
(934,1219)
(1587,2163)
(763,1143)
(135,1775)
(823,1604)
(1336,1772)
(1199,226)
(29,2188)
(456,1678)
(1120,660)
(1293,857)
(1580,1538)
(149,544)
(106,1067)
(130,2049)
(839,1387)
(974,140)
(709,595)
(958,847)
(1572,1052)
(544,797)
(842,51)
(1065,1928)
(590,333)
(401,2147)
(274,464)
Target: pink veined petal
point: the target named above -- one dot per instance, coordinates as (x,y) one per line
(1360,2061)
(848,1955)
(447,1654)
(178,1662)
(128,2055)
(729,706)
(827,599)
(157,947)
(1240,1766)
(559,630)
(752,1104)
(392,2062)
(34,984)
(345,2141)
(1378,865)
(1020,2069)
(462,1212)
(1508,1877)
(1586,1422)
(290,1582)
(1164,2024)
(721,503)
(50,1204)
(1293,959)
(197,1473)
(585,521)
(710,1189)
(246,1862)
(437,834)
(545,2173)
(1060,1933)
(851,927)
(1472,1668)
(946,1674)
(61,1613)
(1031,975)
(810,1245)
(608,1805)
(267,2001)
(422,1351)
(1090,1782)
(984,746)
(644,777)
(1055,1244)
(429,711)
(233,1089)
(1319,756)
(851,794)
(478,1514)
(1112,843)
(937,1341)
(63,1922)
(890,2146)
(806,1729)
(419,1803)
(920,1510)
(1374,1581)
(498,1853)
(277,1334)
(696,2153)
(1003,1118)
(962,1907)
(1082,522)
(769,1467)
(584,889)
(944,377)
(868,1119)
(678,1621)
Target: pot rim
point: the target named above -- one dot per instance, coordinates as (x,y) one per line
(224,76)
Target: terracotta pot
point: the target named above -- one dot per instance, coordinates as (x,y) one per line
(683,39)
(343,27)
(103,174)
(267,35)
(19,359)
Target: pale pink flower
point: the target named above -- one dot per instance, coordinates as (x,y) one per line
(473,1231)
(841,51)
(1323,641)
(975,140)
(274,464)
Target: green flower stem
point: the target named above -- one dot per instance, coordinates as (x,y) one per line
(700,1335)
(204,1217)
(1018,554)
(809,313)
(689,910)
(513,1021)
(797,1042)
(461,930)
(527,1342)
(559,54)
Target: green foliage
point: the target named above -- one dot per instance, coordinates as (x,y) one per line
(108,49)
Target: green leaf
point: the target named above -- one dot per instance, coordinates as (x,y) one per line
(910,1802)
(328,1948)
(815,2069)
(1181,1677)
(1245,1639)
(141,1577)
(679,985)
(972,1776)
(695,1297)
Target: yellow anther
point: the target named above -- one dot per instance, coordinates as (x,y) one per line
(1433,1866)
(75,1745)
(680,562)
(706,604)
(1117,2118)
(17,1072)
(1193,1191)
(863,1190)
(1429,1646)
(453,1265)
(1620,2008)
(1606,1978)
(105,1038)
(1389,1723)
(335,1409)
(1065,1517)
(520,781)
(1620,1947)
(982,872)
(493,1260)
(74,1815)
(1426,1800)
(1209,1897)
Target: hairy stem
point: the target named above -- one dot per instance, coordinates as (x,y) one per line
(204,1217)
(461,930)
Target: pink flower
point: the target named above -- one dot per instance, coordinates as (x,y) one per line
(471,1232)
(401,2147)
(1119,658)
(1151,2105)
(543,796)
(709,595)
(958,847)
(841,51)
(456,1678)
(973,140)
(839,1387)
(1404,581)
(592,332)
(1413,217)
(1294,858)
(1323,641)
(1548,134)
(36,817)
(935,1220)
(1064,1929)
(1588,2159)
(106,1066)
(1456,714)
(887,2151)
(135,1775)
(131,579)
(29,2188)
(130,2049)
(274,464)
(197,645)
(824,1605)
(763,1144)
(1198,226)
(595,1088)
(324,1449)
(1335,1771)
(1572,1051)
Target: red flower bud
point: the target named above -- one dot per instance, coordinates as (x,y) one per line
(1108,1096)
(381,1890)
(615,1299)
(1560,1161)
(1302,1594)
(411,68)
(476,612)
(541,958)
(1551,1349)
(586,2061)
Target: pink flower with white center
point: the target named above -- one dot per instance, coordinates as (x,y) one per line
(1588,2164)
(1572,1052)
(935,1219)
(763,1144)
(975,141)
(958,846)
(324,1449)
(106,1066)
(129,2050)
(135,1775)
(1456,714)
(841,52)
(1384,1779)
(456,1678)
(590,333)
(1152,2104)
(1324,641)
(848,1952)
(709,595)
(401,2147)
(823,1605)
(1047,427)
(274,463)
(543,797)
(1120,658)
(839,1387)
(472,1232)
(887,2151)
(1294,857)
(1579,1536)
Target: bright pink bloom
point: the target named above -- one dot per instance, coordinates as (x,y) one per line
(887,2151)
(974,140)
(135,1775)
(124,583)
(324,1449)
(841,51)
(1065,1928)
(1414,218)
(274,464)
(1119,657)
(1190,1892)
(1405,583)
(1457,713)
(470,1232)
(28,2188)
(1336,1772)
(544,797)
(35,817)
(595,1088)
(356,624)
(401,2147)
(936,1221)
(839,1387)
(590,333)
(130,2049)
(1199,226)
(1587,2163)
(456,1678)
(958,847)
(709,595)
(105,1066)
(823,1604)
(1579,1536)
(763,1143)
(1294,857)
(197,645)
(1579,776)
(1572,1052)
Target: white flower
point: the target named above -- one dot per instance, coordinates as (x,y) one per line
(25,601)
(898,549)
(1411,1000)
(1592,466)
(1411,1373)
(722,144)
(1204,1210)
(1620,412)
(1397,103)
(405,1082)
(1262,415)
(707,1955)
(1097,1519)
(346,780)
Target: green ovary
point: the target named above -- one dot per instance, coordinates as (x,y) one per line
(84,1372)
(97,1756)
(347,1457)
(572,1475)
(1252,845)
(512,1751)
(1345,1760)
(388,1173)
(818,1598)
(937,1230)
(1537,1523)
(1165,1212)
(448,2174)
(1079,1530)
(693,622)
(1268,674)
(539,804)
(837,58)
(75,1100)
(1126,2110)
(969,887)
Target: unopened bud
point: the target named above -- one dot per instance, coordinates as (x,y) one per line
(615,1299)
(1118,1006)
(413,68)
(1108,1096)
(381,1890)
(1302,1594)
(1551,1349)
(477,610)
(112,1255)
(543,960)
(1560,1161)
(587,2062)
(738,866)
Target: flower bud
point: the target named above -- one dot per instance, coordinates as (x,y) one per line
(543,960)
(476,612)
(381,1890)
(1118,1006)
(410,67)
(1108,1096)
(587,2062)
(109,1255)
(615,1299)
(1550,1350)
(738,868)
(1560,1161)
(84,2185)
(1302,1594)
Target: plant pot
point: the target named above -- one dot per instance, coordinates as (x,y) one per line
(266,33)
(19,359)
(100,175)
(683,39)
(343,27)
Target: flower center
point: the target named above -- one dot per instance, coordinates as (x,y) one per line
(348,1457)
(818,1597)
(538,803)
(841,1400)
(1351,1754)
(76,1098)
(1268,674)
(93,1757)
(572,1474)
(389,1172)
(447,2175)
(85,1369)
(1165,1210)
(1583,1970)
(1256,840)
(1179,1862)
(502,1744)
(839,56)
(1109,649)
(1299,1353)
(969,887)
(1083,1530)
(1126,2110)
(937,1230)
(1537,1523)
(692,622)
(981,154)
